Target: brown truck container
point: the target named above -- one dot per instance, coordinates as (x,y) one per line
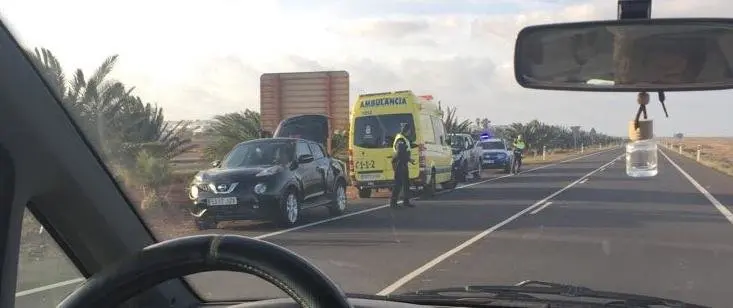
(284,95)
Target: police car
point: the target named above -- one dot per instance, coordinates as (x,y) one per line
(495,153)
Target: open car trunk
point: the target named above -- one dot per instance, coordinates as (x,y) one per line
(309,127)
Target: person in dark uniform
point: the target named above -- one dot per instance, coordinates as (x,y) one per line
(400,158)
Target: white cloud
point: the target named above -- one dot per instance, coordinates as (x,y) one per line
(198,59)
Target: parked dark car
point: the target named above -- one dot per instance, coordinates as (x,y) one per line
(466,157)
(274,178)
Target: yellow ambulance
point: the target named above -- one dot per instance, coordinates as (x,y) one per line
(375,120)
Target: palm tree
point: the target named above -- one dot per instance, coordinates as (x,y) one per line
(112,118)
(451,122)
(130,135)
(230,129)
(50,68)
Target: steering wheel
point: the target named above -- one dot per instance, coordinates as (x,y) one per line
(175,258)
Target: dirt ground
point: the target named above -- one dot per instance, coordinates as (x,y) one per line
(715,152)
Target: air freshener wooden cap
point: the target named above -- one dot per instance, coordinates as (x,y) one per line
(644,132)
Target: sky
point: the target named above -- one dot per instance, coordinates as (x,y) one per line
(197,59)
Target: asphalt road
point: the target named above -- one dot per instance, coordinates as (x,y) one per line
(581,222)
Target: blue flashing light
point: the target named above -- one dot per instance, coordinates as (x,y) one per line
(485,136)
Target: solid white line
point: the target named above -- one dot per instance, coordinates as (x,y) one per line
(402,281)
(537,210)
(49,287)
(721,208)
(315,223)
(584,180)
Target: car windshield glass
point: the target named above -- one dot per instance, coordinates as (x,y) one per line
(258,154)
(180,101)
(379,131)
(457,142)
(492,145)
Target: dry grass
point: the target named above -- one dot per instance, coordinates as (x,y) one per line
(716,152)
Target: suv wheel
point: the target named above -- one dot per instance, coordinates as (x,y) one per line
(338,204)
(462,172)
(289,208)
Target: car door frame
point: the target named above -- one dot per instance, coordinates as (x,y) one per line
(323,168)
(308,174)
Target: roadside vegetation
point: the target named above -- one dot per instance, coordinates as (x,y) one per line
(715,152)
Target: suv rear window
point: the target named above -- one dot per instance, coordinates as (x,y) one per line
(493,145)
(309,127)
(379,131)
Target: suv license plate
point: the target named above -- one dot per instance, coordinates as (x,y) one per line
(222,201)
(370,177)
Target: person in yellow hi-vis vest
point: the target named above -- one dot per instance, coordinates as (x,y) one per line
(518,151)
(400,158)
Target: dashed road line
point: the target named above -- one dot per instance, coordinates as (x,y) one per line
(420,270)
(537,210)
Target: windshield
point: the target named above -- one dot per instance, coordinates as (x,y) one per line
(493,145)
(258,154)
(379,131)
(457,142)
(165,90)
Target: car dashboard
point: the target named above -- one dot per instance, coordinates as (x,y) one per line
(289,303)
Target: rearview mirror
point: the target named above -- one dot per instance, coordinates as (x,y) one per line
(216,163)
(627,55)
(305,158)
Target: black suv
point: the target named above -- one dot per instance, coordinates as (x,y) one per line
(268,178)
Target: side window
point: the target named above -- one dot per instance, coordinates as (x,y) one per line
(301,148)
(427,131)
(317,151)
(439,131)
(45,275)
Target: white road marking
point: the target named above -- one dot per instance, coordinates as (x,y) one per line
(537,210)
(49,287)
(315,223)
(412,275)
(584,180)
(721,208)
